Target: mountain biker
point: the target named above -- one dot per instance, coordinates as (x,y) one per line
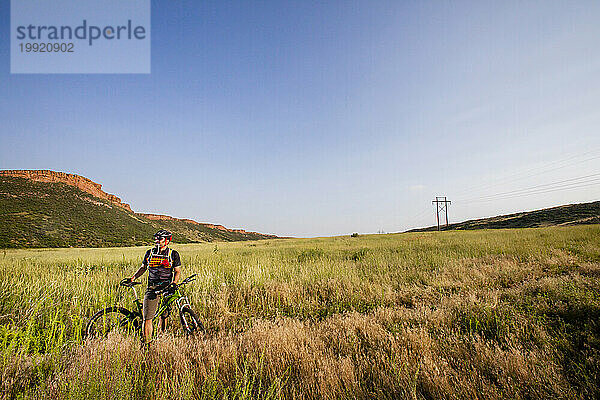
(164,268)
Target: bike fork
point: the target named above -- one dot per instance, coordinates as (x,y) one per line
(182,302)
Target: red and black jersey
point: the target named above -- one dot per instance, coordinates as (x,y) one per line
(160,265)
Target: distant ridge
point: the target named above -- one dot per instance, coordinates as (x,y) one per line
(160,217)
(43,208)
(570,214)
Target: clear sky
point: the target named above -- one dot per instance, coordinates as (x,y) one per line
(308,118)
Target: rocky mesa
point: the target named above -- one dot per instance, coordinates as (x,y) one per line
(84,184)
(95,189)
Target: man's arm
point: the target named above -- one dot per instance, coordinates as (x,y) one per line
(139,272)
(176,266)
(177,273)
(142,268)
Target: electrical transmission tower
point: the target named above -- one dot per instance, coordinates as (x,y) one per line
(441,204)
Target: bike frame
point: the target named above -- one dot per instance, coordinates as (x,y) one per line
(177,297)
(133,319)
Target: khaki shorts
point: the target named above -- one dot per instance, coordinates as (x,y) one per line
(150,305)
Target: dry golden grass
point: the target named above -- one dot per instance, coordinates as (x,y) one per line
(456,315)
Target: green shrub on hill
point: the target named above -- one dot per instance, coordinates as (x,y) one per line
(572,214)
(40,214)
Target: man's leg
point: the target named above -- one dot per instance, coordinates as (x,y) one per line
(149,311)
(163,319)
(148,330)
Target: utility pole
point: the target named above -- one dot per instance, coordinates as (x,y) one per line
(441,204)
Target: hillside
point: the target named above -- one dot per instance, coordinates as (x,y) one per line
(49,209)
(571,214)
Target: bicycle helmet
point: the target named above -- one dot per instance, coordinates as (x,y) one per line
(163,234)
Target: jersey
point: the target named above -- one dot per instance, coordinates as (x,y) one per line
(160,265)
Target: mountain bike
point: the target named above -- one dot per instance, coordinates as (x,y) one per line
(120,319)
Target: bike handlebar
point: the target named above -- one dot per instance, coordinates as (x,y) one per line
(130,284)
(176,285)
(189,279)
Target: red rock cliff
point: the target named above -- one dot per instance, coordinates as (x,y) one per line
(85,184)
(95,189)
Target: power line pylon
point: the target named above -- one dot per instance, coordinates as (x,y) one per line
(441,204)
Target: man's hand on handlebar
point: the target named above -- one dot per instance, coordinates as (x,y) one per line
(128,282)
(172,288)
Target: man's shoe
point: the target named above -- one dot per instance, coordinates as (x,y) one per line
(146,345)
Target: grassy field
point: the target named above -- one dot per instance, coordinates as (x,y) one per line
(477,314)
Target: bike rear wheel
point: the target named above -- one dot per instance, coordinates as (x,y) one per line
(190,322)
(112,319)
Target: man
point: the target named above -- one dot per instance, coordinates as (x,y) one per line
(164,268)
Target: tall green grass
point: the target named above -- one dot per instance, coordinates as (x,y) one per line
(478,314)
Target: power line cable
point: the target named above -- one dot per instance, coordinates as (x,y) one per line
(415,219)
(536,171)
(576,185)
(583,179)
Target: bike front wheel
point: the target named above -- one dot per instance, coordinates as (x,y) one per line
(190,323)
(112,320)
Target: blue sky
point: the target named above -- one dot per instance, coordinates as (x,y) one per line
(323,118)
